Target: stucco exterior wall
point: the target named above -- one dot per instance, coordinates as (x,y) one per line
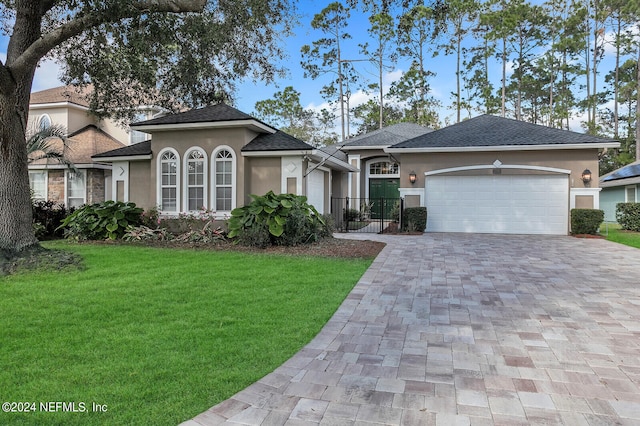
(142,190)
(263,175)
(575,160)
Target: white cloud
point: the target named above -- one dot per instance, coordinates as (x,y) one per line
(47,75)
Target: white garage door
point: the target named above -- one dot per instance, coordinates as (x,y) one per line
(502,204)
(315,190)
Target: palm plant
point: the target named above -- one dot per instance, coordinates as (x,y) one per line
(41,144)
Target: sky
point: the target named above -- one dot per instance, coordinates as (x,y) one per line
(248,93)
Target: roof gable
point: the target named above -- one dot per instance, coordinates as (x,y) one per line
(387,136)
(488,131)
(278,141)
(219,115)
(141,148)
(71,94)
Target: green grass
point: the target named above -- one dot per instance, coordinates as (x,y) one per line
(158,335)
(615,234)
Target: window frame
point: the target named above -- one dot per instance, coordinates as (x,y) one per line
(160,186)
(205,177)
(69,175)
(46,184)
(214,174)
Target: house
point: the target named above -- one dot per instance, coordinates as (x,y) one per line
(619,186)
(213,158)
(89,181)
(487,174)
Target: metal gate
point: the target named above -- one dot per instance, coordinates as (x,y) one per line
(366,215)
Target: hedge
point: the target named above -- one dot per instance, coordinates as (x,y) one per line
(628,216)
(586,221)
(415,219)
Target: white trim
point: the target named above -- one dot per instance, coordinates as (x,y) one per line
(124,158)
(66,186)
(120,173)
(368,176)
(205,179)
(64,167)
(504,148)
(250,124)
(234,173)
(413,191)
(355,175)
(291,167)
(288,153)
(46,182)
(593,192)
(501,166)
(358,148)
(65,104)
(159,181)
(635,191)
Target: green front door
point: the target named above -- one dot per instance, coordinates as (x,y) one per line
(385,189)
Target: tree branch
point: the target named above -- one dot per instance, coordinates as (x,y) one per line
(47,42)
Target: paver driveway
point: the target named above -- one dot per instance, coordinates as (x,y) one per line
(460,329)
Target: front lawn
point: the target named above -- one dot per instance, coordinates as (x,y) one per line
(156,336)
(613,233)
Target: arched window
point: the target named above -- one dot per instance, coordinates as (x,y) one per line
(224,191)
(195,180)
(44,122)
(169,181)
(383,168)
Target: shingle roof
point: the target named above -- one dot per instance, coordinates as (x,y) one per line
(70,94)
(279,141)
(334,151)
(208,114)
(388,136)
(492,131)
(141,148)
(83,144)
(629,171)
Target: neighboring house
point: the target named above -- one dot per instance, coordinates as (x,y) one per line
(214,157)
(619,186)
(486,174)
(88,135)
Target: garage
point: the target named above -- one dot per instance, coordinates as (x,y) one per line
(502,204)
(316,190)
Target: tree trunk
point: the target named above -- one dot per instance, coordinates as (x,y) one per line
(638,107)
(16,232)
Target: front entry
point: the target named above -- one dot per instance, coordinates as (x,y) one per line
(385,191)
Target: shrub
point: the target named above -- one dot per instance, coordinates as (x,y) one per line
(628,216)
(286,219)
(47,217)
(145,233)
(586,221)
(209,233)
(100,221)
(414,219)
(352,215)
(150,218)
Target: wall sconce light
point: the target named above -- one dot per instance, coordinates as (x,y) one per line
(412,177)
(586,176)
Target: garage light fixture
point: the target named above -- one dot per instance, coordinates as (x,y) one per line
(412,177)
(586,176)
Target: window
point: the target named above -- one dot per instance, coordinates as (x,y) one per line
(631,194)
(38,184)
(136,136)
(44,122)
(168,191)
(224,180)
(195,180)
(76,188)
(383,168)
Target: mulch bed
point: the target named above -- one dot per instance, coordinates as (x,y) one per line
(56,260)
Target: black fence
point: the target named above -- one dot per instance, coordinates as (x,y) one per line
(374,215)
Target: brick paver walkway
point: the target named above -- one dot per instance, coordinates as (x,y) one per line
(453,329)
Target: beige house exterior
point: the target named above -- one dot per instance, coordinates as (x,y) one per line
(486,174)
(211,159)
(90,181)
